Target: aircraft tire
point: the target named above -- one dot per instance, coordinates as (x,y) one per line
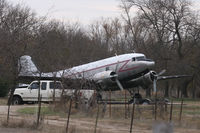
(146,102)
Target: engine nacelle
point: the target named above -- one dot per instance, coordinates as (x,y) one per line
(149,77)
(105,77)
(144,80)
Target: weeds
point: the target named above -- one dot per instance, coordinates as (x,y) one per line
(143,117)
(3,101)
(22,123)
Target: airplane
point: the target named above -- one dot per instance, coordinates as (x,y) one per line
(119,72)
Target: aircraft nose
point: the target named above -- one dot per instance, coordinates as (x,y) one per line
(150,64)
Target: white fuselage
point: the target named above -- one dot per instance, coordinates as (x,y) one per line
(124,65)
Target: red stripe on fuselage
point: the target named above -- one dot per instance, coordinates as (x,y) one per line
(105,66)
(132,68)
(120,70)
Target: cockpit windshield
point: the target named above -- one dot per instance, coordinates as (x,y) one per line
(140,58)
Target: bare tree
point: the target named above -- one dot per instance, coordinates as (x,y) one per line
(16,29)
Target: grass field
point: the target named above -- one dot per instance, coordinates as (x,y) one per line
(115,121)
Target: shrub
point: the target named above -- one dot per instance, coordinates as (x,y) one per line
(4,87)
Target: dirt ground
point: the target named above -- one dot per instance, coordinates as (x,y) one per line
(16,130)
(57,124)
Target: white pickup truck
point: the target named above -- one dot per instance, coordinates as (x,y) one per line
(30,93)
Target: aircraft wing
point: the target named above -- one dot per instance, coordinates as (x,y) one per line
(172,77)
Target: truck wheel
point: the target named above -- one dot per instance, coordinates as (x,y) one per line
(16,100)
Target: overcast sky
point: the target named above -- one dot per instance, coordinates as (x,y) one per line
(83,11)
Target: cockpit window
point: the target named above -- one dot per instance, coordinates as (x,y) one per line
(141,58)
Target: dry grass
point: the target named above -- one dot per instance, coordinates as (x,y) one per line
(20,123)
(83,121)
(3,101)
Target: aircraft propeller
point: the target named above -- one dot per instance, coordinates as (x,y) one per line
(158,76)
(155,78)
(116,77)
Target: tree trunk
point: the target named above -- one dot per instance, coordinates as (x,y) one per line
(184,90)
(166,89)
(178,91)
(193,89)
(10,98)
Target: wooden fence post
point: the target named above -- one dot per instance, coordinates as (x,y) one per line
(180,115)
(132,117)
(171,111)
(95,128)
(69,113)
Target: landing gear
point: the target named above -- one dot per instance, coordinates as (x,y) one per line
(137,99)
(99,97)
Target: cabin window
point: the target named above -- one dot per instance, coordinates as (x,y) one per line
(107,68)
(57,85)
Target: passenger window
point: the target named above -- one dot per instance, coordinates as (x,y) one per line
(107,68)
(44,86)
(57,85)
(133,59)
(35,85)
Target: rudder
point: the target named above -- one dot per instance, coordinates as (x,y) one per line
(27,67)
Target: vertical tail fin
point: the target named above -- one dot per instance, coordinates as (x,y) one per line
(27,67)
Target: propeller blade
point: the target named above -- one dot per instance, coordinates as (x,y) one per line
(162,72)
(119,84)
(154,85)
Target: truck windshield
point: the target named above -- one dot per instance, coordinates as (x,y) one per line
(34,85)
(57,85)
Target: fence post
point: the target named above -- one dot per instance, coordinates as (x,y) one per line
(110,104)
(125,106)
(132,117)
(69,113)
(39,110)
(95,128)
(180,115)
(171,111)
